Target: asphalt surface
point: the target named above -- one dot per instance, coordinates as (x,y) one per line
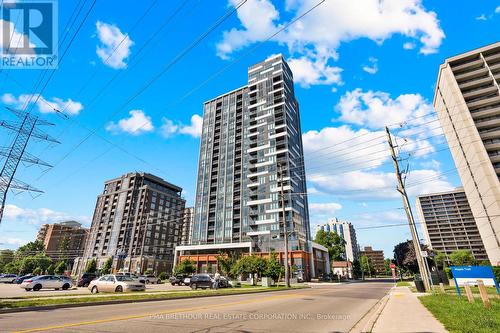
(322,308)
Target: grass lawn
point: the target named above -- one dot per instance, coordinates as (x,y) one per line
(475,290)
(459,316)
(136,296)
(403,284)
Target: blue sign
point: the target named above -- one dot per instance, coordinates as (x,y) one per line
(471,274)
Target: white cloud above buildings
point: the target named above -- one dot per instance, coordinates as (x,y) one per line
(45,105)
(138,123)
(114,48)
(313,40)
(169,128)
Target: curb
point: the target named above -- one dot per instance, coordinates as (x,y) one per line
(371,316)
(159,299)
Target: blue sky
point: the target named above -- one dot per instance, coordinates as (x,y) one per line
(358,66)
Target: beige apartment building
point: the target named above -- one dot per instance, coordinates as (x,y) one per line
(467,102)
(448,223)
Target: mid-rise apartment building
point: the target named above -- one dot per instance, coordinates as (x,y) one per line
(448,223)
(347,232)
(138,222)
(376,258)
(467,101)
(248,135)
(63,240)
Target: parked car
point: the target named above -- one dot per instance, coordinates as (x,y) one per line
(85,279)
(224,282)
(177,280)
(186,280)
(149,279)
(115,283)
(8,278)
(46,282)
(133,276)
(20,279)
(202,281)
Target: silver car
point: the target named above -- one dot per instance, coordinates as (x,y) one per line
(46,282)
(8,278)
(115,283)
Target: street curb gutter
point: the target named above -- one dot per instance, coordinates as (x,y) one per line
(79,305)
(368,321)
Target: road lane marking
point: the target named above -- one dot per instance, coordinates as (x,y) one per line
(144,315)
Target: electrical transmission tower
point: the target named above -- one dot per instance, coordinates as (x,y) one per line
(24,130)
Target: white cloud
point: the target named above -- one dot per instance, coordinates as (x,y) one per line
(138,123)
(115,48)
(169,128)
(376,109)
(373,67)
(373,185)
(329,208)
(257,18)
(39,216)
(409,46)
(482,17)
(307,71)
(195,128)
(318,35)
(12,242)
(497,10)
(44,105)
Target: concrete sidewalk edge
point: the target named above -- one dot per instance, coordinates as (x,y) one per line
(79,305)
(368,318)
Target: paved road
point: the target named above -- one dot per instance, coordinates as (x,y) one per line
(323,308)
(13,290)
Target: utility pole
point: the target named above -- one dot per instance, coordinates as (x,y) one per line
(285,229)
(16,153)
(362,266)
(414,234)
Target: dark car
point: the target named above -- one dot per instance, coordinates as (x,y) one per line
(85,279)
(177,280)
(20,279)
(202,281)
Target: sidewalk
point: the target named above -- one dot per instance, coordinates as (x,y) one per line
(404,313)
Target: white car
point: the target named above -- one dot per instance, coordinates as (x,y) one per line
(46,282)
(8,278)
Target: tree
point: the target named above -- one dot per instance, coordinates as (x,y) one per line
(404,253)
(440,260)
(91,266)
(51,269)
(106,269)
(60,268)
(462,258)
(186,266)
(251,265)
(37,271)
(367,266)
(64,247)
(387,266)
(225,262)
(356,268)
(30,249)
(29,263)
(274,268)
(333,242)
(6,257)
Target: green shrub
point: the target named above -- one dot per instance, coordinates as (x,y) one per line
(496,271)
(163,276)
(447,270)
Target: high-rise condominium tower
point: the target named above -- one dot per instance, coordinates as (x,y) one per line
(448,223)
(467,101)
(347,232)
(248,135)
(137,222)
